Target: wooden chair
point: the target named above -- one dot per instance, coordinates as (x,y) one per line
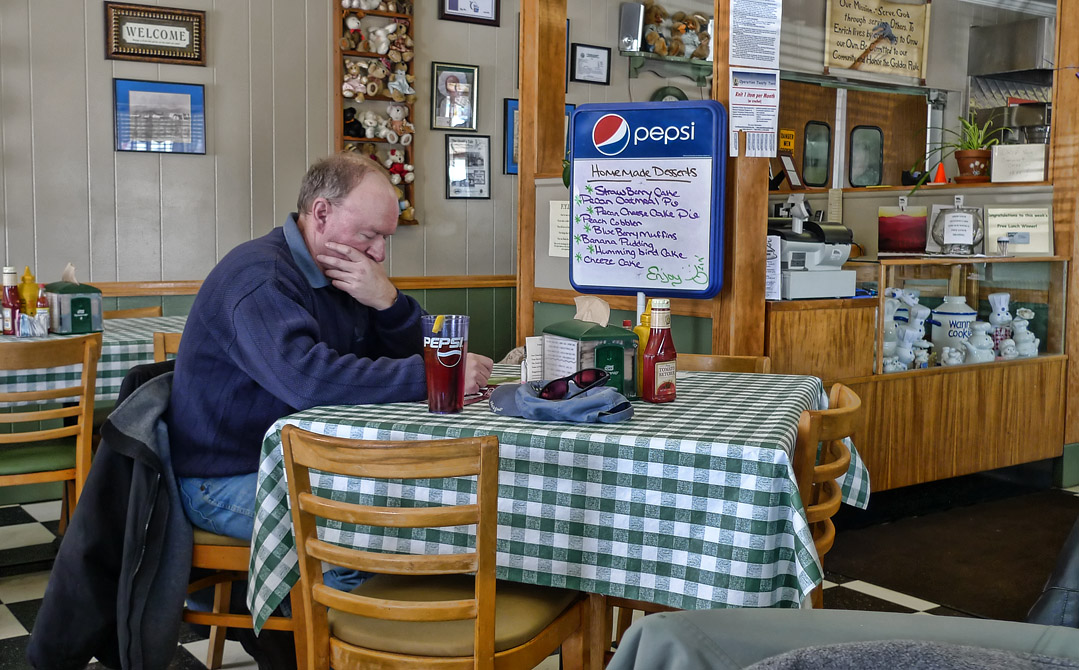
(420,611)
(132,313)
(32,456)
(758,364)
(165,344)
(817,475)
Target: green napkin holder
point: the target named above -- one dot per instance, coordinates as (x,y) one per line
(74,309)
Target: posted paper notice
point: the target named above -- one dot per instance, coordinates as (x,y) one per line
(755,26)
(558,244)
(754,108)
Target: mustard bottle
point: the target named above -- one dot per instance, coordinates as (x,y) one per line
(28,293)
(643,330)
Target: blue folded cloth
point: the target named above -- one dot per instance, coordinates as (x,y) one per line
(602,404)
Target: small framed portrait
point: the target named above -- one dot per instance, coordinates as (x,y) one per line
(468,166)
(590,64)
(155,34)
(485,12)
(159,117)
(453,96)
(511,138)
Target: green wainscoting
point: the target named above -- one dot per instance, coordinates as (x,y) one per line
(493,311)
(692,334)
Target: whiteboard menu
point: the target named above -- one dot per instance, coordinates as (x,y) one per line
(646,198)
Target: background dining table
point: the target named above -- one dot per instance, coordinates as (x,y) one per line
(691,504)
(125,343)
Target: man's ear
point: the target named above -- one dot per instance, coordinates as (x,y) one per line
(320,210)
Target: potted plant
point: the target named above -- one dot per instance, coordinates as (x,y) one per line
(970,145)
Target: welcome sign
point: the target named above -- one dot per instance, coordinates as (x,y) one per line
(646,204)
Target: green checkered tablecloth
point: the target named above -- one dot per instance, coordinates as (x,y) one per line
(125,343)
(691,504)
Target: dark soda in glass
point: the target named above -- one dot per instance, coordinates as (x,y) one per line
(445,346)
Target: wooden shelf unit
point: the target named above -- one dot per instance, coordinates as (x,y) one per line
(341,141)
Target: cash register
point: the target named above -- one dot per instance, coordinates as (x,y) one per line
(812,252)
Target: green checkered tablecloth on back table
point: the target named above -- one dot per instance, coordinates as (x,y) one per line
(691,504)
(125,343)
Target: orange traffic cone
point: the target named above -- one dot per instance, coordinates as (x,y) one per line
(939,177)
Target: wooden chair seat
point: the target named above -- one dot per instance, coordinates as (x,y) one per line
(38,457)
(213,539)
(710,363)
(522,611)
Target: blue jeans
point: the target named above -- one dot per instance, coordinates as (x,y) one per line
(226,506)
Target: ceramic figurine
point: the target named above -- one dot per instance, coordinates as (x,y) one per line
(915,322)
(1007,350)
(980,345)
(1001,318)
(921,355)
(890,326)
(892,364)
(951,322)
(907,297)
(1025,342)
(1024,313)
(950,356)
(905,348)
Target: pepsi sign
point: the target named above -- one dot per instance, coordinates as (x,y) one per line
(646,209)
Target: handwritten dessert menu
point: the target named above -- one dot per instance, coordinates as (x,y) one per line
(646,199)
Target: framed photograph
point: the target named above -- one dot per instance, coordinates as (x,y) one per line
(453,96)
(159,116)
(468,166)
(155,34)
(511,137)
(485,12)
(590,64)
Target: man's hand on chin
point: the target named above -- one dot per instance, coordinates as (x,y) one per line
(359,276)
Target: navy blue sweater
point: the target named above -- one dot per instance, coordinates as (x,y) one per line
(268,336)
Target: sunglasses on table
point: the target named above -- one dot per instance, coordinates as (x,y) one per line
(556,389)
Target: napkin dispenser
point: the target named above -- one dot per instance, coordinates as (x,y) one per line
(572,345)
(74,308)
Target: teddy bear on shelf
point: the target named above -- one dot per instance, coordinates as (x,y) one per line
(352,37)
(400,86)
(656,27)
(676,46)
(353,124)
(355,84)
(404,6)
(379,38)
(369,121)
(401,49)
(360,4)
(408,212)
(387,6)
(695,38)
(400,171)
(376,78)
(399,124)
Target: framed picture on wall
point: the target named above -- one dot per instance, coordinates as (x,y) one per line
(511,135)
(590,64)
(453,96)
(159,117)
(485,12)
(155,34)
(468,166)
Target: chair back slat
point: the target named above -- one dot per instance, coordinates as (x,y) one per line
(716,363)
(83,351)
(392,564)
(133,312)
(417,517)
(395,610)
(165,344)
(395,460)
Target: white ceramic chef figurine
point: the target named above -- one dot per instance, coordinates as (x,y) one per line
(1025,342)
(890,326)
(905,349)
(979,345)
(915,322)
(921,354)
(892,364)
(1007,350)
(1000,318)
(908,297)
(950,356)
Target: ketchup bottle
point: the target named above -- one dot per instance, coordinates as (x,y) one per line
(659,355)
(9,300)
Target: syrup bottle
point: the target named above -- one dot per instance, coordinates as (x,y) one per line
(9,300)
(659,355)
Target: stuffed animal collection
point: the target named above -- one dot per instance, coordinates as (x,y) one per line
(398,6)
(399,124)
(400,171)
(355,84)
(677,34)
(400,86)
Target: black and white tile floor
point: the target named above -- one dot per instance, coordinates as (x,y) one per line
(28,542)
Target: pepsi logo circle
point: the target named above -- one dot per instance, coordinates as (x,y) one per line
(610,135)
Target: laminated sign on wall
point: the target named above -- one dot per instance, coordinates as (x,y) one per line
(877,36)
(646,200)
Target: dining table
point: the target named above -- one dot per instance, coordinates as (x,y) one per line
(691,504)
(125,343)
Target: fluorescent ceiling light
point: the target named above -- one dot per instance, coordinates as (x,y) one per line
(1035,7)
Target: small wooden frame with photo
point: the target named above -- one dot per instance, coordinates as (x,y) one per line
(453,96)
(468,167)
(484,12)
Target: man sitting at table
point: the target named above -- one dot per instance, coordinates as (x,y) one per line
(300,317)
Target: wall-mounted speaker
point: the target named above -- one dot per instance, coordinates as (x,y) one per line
(630,24)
